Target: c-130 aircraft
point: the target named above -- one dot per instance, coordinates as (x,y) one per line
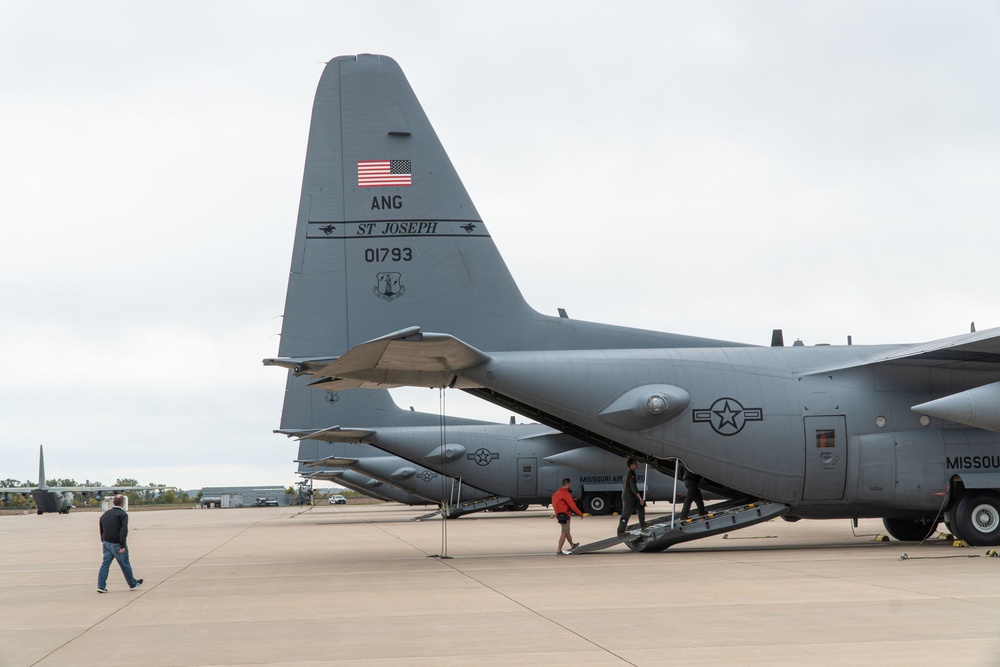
(481,465)
(61,498)
(404,286)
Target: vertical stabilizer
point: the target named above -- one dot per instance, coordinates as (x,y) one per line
(41,469)
(387,236)
(385,227)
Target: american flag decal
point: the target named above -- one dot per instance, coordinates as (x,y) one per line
(384,173)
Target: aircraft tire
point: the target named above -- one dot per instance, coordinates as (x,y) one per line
(909,530)
(597,504)
(976,518)
(642,546)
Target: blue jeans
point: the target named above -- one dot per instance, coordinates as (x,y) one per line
(111,553)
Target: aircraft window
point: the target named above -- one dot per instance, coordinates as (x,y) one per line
(826,438)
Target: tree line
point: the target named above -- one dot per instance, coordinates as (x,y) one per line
(149,497)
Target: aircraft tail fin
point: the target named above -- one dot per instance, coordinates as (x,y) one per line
(41,468)
(387,236)
(386,230)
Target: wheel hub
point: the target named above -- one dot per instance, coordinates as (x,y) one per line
(985,518)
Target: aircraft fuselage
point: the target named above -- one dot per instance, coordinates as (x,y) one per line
(767,422)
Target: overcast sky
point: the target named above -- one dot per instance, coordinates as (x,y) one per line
(715,169)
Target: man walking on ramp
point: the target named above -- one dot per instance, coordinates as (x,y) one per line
(632,500)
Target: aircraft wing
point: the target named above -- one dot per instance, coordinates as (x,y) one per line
(548,432)
(84,489)
(109,489)
(966,351)
(17,489)
(404,358)
(976,407)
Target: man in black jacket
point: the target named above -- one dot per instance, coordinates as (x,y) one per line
(114,531)
(632,500)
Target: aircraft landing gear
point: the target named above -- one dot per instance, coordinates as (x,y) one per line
(910,530)
(597,504)
(976,518)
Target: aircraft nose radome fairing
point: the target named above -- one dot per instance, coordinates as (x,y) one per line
(399,283)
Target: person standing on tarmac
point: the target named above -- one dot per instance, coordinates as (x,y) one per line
(562,505)
(632,500)
(114,531)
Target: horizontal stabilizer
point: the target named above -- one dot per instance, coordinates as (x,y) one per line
(328,462)
(337,434)
(299,433)
(299,365)
(405,358)
(324,475)
(978,407)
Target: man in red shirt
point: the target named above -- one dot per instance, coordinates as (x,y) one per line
(562,505)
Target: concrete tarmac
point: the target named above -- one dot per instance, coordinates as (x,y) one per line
(361,585)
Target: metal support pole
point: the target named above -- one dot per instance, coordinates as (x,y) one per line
(447,503)
(673,507)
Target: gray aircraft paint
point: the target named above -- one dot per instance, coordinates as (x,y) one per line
(356,481)
(501,459)
(344,242)
(306,410)
(410,478)
(740,416)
